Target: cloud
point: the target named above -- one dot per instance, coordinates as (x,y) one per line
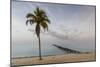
(64,33)
(58,35)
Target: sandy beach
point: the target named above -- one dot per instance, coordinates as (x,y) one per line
(54,59)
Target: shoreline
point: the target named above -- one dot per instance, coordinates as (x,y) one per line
(38,56)
(54,59)
(49,55)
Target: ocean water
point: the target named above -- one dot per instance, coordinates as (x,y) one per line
(26,48)
(27,45)
(31,50)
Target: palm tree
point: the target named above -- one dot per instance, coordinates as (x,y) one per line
(39,18)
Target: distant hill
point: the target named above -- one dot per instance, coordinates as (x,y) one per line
(67,50)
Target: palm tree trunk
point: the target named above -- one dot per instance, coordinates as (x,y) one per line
(39,48)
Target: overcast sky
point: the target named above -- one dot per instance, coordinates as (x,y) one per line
(70,24)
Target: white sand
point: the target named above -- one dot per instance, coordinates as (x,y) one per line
(54,59)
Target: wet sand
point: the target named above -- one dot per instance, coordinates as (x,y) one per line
(54,59)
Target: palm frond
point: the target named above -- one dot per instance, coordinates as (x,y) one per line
(47,20)
(37,9)
(30,21)
(39,17)
(44,26)
(42,12)
(39,12)
(30,15)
